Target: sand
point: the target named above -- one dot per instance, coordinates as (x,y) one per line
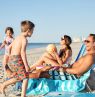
(33,55)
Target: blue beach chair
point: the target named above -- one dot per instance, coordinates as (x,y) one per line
(58,82)
(81,52)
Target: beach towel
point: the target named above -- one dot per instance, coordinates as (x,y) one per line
(57,83)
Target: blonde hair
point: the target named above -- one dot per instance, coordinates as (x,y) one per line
(51,48)
(25,25)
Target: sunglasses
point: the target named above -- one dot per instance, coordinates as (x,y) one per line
(86,41)
(62,38)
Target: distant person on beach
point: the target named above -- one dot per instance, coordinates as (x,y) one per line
(7,41)
(18,61)
(55,59)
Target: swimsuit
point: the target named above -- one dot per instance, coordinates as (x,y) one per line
(8,42)
(16,65)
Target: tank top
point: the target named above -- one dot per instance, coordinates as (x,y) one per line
(8,42)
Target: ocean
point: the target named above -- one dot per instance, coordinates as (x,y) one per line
(31,46)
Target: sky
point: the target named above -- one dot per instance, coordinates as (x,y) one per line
(52,18)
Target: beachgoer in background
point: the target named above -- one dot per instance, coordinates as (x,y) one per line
(18,61)
(7,41)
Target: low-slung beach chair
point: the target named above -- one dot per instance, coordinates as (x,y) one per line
(58,82)
(81,52)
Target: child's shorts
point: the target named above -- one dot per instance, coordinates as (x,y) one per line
(16,65)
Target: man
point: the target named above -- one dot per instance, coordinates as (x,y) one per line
(85,62)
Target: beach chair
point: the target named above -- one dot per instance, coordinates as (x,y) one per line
(81,52)
(58,82)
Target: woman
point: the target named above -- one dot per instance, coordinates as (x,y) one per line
(65,52)
(54,59)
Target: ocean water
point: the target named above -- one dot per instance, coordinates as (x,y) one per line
(31,46)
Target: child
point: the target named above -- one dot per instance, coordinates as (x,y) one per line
(7,41)
(18,62)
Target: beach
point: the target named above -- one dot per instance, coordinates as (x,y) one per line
(33,55)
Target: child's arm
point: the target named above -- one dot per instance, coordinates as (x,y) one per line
(23,54)
(2,45)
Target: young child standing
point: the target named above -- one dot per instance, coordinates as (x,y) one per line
(7,41)
(18,61)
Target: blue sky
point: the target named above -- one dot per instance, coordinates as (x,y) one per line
(53,18)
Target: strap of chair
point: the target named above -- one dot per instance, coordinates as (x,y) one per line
(61,75)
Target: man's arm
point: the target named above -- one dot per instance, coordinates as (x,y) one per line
(84,66)
(23,54)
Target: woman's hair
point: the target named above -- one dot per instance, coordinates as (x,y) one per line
(67,39)
(25,25)
(68,47)
(62,52)
(9,28)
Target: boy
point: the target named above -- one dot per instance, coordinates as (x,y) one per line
(18,62)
